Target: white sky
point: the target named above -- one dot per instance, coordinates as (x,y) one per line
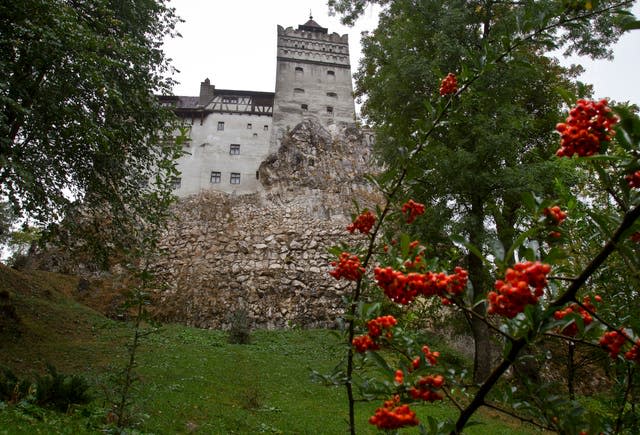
(233,43)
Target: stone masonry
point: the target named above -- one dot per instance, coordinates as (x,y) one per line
(267,252)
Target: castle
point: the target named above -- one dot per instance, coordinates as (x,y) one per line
(232,131)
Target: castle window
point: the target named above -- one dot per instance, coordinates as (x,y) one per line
(176,183)
(331,75)
(249,126)
(298,91)
(330,110)
(266,128)
(299,72)
(220,126)
(234,149)
(304,107)
(215,177)
(235,178)
(229,99)
(255,134)
(332,95)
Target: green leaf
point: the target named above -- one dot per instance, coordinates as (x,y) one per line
(381,362)
(633,25)
(566,96)
(522,237)
(474,249)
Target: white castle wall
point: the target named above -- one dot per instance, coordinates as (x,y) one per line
(209,150)
(313,81)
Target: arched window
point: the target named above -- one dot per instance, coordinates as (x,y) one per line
(298,91)
(331,75)
(299,72)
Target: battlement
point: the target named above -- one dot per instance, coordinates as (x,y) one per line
(306,32)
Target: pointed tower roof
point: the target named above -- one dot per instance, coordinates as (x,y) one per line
(312,26)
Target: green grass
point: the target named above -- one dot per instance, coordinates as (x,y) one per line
(191,380)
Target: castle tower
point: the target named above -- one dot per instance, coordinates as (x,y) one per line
(313,79)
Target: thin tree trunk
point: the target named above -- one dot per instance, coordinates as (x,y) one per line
(571,369)
(480,331)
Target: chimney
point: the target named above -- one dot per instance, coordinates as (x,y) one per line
(206,92)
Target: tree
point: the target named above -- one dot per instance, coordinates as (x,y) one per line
(79,122)
(477,165)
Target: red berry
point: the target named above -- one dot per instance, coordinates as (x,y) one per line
(449,85)
(588,125)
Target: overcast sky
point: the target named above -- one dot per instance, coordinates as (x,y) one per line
(233,43)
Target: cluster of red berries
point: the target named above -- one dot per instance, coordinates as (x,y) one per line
(425,388)
(572,329)
(555,214)
(363,343)
(515,291)
(393,415)
(634,180)
(633,354)
(635,237)
(376,327)
(347,267)
(449,85)
(613,341)
(363,222)
(588,125)
(430,357)
(412,209)
(404,288)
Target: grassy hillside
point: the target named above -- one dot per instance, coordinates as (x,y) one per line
(191,381)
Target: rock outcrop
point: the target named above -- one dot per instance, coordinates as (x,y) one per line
(266,253)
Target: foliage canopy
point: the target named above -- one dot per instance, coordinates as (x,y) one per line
(78,115)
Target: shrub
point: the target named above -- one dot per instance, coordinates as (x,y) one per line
(240,327)
(61,391)
(54,390)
